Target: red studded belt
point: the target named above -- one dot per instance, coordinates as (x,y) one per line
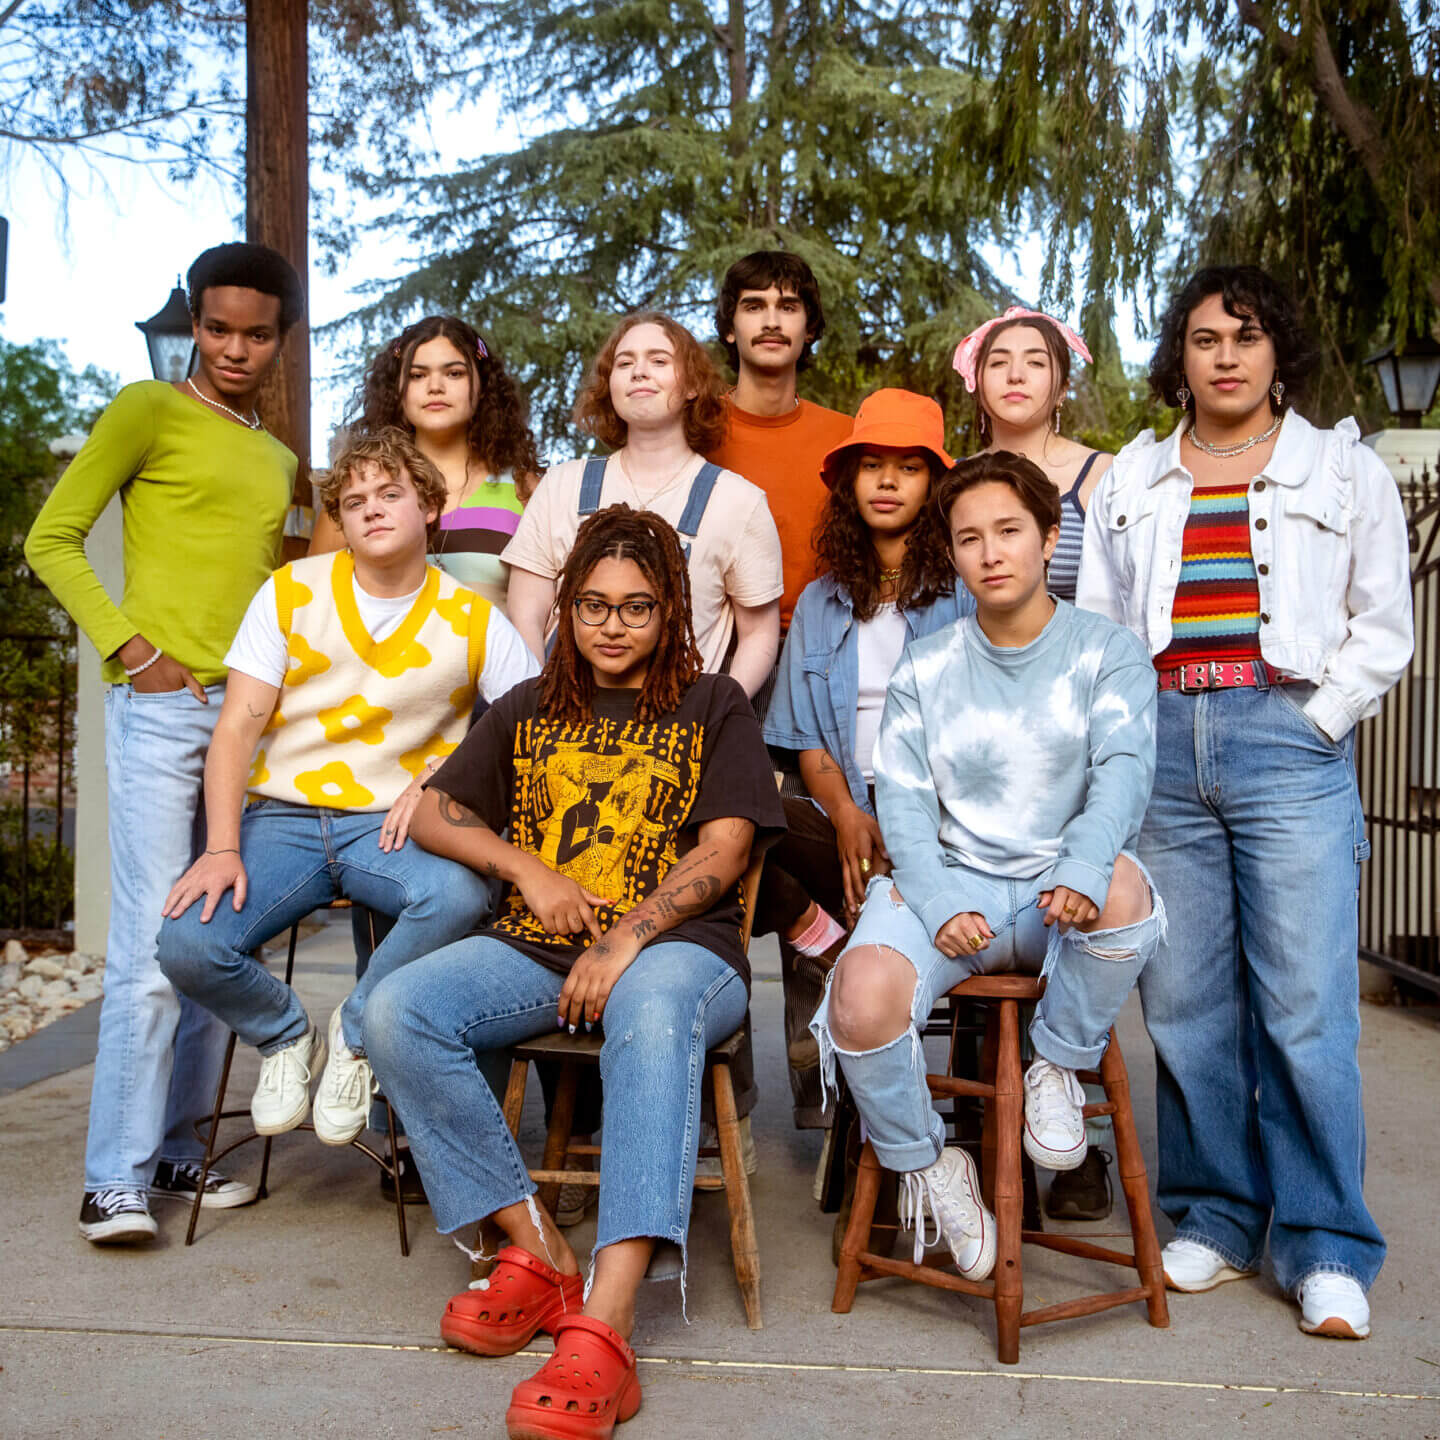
(1219,675)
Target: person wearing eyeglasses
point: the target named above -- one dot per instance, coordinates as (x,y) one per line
(632,790)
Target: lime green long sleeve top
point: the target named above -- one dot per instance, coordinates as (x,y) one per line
(204,503)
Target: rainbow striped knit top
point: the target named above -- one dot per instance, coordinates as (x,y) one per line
(1217,598)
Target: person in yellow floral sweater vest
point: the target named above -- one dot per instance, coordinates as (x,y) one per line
(352,676)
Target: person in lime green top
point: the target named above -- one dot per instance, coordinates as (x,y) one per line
(204,491)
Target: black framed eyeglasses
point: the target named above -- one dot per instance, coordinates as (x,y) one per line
(634,614)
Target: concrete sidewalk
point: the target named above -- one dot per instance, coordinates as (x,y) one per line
(298,1316)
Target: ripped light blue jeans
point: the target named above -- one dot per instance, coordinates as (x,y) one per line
(431,1026)
(1088,979)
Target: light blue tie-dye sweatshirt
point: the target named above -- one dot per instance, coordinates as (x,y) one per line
(1014,761)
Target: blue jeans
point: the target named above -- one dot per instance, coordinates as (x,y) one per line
(158,1056)
(1089,977)
(434,1023)
(298,858)
(1255,835)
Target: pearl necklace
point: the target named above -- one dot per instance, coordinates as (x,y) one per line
(1227,452)
(253,423)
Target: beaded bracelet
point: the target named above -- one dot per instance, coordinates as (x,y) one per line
(141,669)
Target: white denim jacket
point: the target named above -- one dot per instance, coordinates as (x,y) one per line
(1332,558)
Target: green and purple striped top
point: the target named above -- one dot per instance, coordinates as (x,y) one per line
(474,533)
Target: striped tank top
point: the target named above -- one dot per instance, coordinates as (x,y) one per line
(474,533)
(1064,571)
(1217,598)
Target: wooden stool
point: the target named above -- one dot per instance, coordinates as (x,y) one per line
(573,1051)
(1001,1184)
(210,1131)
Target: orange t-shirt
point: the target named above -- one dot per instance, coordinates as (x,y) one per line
(782,454)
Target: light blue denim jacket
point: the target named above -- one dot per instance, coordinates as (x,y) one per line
(817,688)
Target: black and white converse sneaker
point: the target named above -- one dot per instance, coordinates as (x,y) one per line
(117,1216)
(180,1180)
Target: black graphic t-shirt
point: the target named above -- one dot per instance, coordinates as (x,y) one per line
(614,803)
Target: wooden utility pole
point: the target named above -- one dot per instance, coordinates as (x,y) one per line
(277,195)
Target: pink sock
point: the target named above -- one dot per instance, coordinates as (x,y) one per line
(820,934)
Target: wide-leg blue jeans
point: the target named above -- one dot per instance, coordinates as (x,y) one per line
(1255,836)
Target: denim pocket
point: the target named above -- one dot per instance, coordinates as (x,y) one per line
(1311,728)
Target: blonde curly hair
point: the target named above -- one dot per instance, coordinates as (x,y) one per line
(396,454)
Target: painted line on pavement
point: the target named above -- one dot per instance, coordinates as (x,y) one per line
(789,1366)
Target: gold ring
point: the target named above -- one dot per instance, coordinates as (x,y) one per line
(864,865)
(1068,914)
(974,942)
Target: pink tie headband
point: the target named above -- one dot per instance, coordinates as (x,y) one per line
(968,350)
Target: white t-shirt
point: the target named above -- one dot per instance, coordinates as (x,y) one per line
(881,643)
(734,558)
(259,649)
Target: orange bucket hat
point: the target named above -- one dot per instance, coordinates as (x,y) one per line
(897,420)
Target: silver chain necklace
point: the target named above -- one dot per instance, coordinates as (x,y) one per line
(1227,452)
(253,423)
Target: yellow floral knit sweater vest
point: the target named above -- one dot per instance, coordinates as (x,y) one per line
(357,721)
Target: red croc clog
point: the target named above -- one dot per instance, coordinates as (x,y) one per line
(582,1391)
(502,1313)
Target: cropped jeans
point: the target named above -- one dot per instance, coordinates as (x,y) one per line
(1255,836)
(1089,977)
(158,1055)
(298,858)
(436,1022)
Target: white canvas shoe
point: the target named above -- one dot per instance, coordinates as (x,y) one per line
(949,1193)
(1054,1122)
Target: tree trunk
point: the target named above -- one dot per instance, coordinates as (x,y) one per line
(277,198)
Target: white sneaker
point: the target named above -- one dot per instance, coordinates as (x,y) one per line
(707,1167)
(1334,1306)
(949,1192)
(1192,1267)
(1054,1122)
(282,1097)
(342,1100)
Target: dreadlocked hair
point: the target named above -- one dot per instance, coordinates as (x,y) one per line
(846,550)
(567,683)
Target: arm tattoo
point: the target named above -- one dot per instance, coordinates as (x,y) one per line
(642,930)
(254,713)
(694,897)
(452,812)
(827,766)
(492,870)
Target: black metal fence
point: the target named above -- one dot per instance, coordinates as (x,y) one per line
(1397,756)
(37,801)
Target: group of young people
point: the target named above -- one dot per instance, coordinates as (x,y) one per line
(1041,709)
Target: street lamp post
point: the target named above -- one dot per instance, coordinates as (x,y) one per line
(169,338)
(1409,380)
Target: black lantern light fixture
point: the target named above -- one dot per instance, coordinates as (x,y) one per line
(169,338)
(1409,380)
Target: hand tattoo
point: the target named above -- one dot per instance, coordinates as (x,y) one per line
(452,812)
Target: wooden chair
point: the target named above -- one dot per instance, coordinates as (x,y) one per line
(1003,1092)
(210,1131)
(575,1051)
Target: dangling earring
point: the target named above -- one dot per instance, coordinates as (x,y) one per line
(982,423)
(1182,395)
(1057,419)
(1277,393)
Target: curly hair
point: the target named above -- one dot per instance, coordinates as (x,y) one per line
(759,270)
(1059,364)
(567,683)
(1247,293)
(1036,491)
(704,415)
(499,435)
(251,267)
(395,453)
(845,549)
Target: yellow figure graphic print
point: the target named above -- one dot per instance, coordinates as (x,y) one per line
(601,803)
